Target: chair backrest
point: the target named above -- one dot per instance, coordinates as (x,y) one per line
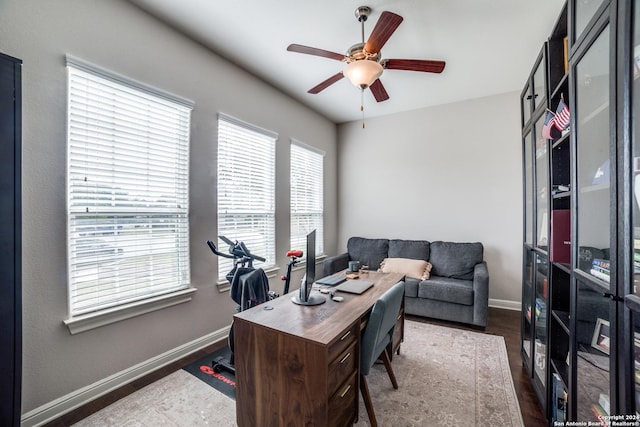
(379,329)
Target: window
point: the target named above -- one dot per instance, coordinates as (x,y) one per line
(127,183)
(246,189)
(306,196)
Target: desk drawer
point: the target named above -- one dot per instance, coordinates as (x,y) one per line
(343,404)
(342,367)
(347,338)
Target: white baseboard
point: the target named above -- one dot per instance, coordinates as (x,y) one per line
(52,410)
(505,304)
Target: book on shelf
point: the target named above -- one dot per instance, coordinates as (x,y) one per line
(559,400)
(601,263)
(540,309)
(601,268)
(600,275)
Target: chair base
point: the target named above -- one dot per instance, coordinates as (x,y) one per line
(364,388)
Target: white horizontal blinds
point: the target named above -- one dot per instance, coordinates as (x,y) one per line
(306,196)
(246,189)
(128,159)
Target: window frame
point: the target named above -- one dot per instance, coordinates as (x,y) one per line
(312,153)
(247,134)
(154,296)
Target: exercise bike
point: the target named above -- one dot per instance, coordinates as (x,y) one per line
(243,264)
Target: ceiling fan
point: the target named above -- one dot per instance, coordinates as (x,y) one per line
(364,60)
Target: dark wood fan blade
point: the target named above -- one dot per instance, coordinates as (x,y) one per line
(378,91)
(385,26)
(314,51)
(424,65)
(325,84)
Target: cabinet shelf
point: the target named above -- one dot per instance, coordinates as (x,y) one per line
(561,368)
(563,139)
(560,86)
(563,319)
(562,195)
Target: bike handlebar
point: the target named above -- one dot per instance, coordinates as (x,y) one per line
(237,249)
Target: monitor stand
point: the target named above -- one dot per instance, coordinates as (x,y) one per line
(313,300)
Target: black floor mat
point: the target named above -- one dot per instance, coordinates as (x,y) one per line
(223,381)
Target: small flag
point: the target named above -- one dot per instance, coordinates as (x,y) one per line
(549,122)
(562,116)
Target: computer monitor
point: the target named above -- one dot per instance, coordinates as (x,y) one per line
(304,297)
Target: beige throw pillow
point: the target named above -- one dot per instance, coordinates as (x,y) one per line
(416,268)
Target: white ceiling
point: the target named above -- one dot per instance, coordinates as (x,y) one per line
(489,45)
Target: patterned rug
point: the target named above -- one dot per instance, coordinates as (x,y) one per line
(447,377)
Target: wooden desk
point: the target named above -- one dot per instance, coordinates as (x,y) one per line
(298,365)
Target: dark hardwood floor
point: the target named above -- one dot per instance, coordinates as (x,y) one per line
(505,323)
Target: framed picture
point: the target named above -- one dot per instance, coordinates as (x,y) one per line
(601,336)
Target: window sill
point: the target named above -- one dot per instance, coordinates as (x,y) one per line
(86,322)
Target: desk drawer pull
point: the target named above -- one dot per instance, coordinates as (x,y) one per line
(345,358)
(345,335)
(345,391)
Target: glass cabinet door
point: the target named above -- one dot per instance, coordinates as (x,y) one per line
(593,309)
(593,165)
(525,102)
(542,184)
(527,298)
(584,11)
(539,82)
(632,289)
(540,305)
(528,189)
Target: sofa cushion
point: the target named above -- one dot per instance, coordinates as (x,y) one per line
(414,249)
(369,252)
(416,268)
(455,260)
(447,289)
(411,287)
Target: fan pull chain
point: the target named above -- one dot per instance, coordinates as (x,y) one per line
(362,105)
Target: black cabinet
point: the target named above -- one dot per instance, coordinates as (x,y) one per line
(593,319)
(10,241)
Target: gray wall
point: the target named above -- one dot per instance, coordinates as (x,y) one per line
(118,36)
(451,172)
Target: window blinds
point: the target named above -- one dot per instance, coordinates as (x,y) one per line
(128,159)
(306,196)
(246,189)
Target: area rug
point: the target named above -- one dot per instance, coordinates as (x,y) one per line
(446,377)
(223,381)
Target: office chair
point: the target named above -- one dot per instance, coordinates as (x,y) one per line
(376,336)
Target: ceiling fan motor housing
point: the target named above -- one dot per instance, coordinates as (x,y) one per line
(357,53)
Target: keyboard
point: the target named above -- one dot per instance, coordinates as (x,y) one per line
(334,279)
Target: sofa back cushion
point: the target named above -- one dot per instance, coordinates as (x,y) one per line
(369,252)
(413,249)
(455,260)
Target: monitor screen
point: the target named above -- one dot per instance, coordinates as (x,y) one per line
(310,276)
(304,297)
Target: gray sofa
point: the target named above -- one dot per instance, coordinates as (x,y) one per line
(458,287)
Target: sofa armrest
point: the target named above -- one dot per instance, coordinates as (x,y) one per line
(335,263)
(480,294)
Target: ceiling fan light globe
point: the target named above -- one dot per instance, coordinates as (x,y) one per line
(362,73)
